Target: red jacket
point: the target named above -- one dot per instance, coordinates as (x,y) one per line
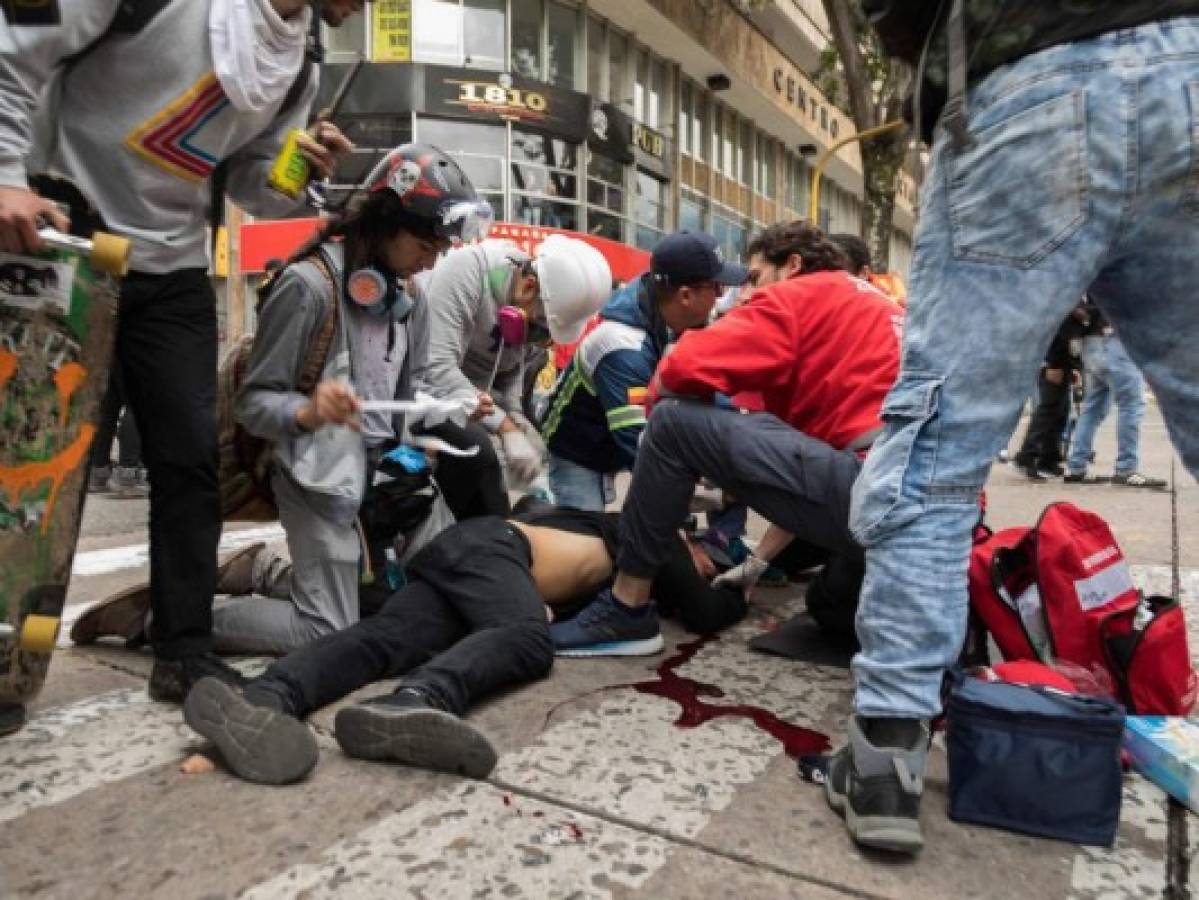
(821,349)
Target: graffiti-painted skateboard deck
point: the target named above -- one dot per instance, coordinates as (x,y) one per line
(57,324)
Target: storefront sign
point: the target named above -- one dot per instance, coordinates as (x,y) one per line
(649,141)
(265,240)
(611,132)
(791,91)
(391,31)
(465,93)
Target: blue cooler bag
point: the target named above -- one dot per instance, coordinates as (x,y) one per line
(1034,760)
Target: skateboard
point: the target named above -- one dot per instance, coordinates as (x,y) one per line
(57,326)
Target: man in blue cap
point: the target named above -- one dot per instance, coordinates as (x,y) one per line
(596,413)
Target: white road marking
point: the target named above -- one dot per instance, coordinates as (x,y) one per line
(65,751)
(134,556)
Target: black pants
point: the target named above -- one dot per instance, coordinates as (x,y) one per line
(468,624)
(166,351)
(1043,441)
(114,410)
(472,485)
(795,481)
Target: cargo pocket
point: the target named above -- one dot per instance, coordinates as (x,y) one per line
(1005,204)
(879,504)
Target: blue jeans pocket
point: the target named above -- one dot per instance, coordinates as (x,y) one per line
(879,504)
(1005,205)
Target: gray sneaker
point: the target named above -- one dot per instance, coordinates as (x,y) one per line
(97,479)
(877,789)
(128,482)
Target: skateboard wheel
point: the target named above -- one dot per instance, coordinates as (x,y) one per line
(110,254)
(39,634)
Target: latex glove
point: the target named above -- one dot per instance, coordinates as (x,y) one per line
(524,462)
(433,412)
(744,576)
(530,432)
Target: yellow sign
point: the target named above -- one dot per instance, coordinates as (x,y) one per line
(649,141)
(391,31)
(220,254)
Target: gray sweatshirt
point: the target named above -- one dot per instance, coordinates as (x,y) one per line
(141,121)
(464,292)
(268,400)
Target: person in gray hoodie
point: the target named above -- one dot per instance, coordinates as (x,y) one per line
(138,102)
(494,308)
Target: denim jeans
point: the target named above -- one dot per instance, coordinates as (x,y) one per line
(579,487)
(1110,374)
(1083,176)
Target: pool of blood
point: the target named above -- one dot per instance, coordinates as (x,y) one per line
(689,694)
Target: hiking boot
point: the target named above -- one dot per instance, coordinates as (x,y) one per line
(407,728)
(257,743)
(97,479)
(607,627)
(1136,479)
(122,615)
(235,576)
(877,786)
(172,679)
(128,483)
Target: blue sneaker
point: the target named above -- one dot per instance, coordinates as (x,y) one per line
(605,627)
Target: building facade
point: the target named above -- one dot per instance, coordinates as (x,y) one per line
(623,119)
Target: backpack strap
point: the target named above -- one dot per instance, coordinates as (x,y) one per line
(322,340)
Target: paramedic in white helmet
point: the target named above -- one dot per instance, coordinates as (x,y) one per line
(492,308)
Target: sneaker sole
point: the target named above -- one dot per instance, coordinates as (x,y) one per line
(422,738)
(646,647)
(256,743)
(893,833)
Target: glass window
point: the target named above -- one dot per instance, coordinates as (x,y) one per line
(746,148)
(562,25)
(545,186)
(729,232)
(641,87)
(484,36)
(691,214)
(478,148)
(617,67)
(658,101)
(526,38)
(546,213)
(714,135)
(437,31)
(605,182)
(650,210)
(604,225)
(699,123)
(347,41)
(685,117)
(597,59)
(732,162)
(770,169)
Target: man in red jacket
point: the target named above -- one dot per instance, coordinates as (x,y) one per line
(821,349)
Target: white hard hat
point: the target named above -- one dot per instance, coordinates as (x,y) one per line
(575,281)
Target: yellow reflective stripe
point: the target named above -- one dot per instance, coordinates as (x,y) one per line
(565,395)
(625,417)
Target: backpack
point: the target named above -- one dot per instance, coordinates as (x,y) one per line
(245,459)
(1061,592)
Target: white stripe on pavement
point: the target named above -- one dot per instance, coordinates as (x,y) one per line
(134,556)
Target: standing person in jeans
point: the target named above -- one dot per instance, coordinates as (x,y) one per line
(1041,452)
(128,477)
(595,415)
(472,620)
(1066,167)
(1109,375)
(149,98)
(821,348)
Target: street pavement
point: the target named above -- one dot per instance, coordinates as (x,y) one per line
(598,793)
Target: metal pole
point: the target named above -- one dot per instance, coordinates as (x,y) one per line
(818,169)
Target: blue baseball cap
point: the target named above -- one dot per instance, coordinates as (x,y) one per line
(688,257)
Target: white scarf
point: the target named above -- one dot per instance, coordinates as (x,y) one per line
(257,54)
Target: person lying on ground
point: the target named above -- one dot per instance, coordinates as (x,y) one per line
(821,348)
(472,620)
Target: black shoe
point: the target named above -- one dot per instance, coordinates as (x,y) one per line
(1033,473)
(12,718)
(172,679)
(257,743)
(406,728)
(877,788)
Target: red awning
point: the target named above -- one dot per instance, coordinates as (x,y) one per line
(266,240)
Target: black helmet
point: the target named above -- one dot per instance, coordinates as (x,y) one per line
(432,186)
